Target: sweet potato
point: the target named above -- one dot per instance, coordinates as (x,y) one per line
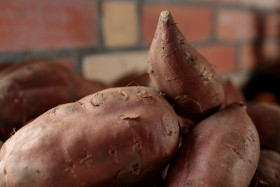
(266,117)
(232,93)
(1,143)
(115,137)
(180,71)
(222,150)
(268,171)
(31,88)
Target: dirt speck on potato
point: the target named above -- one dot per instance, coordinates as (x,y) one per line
(123,95)
(98,99)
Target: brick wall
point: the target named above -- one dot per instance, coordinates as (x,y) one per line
(235,35)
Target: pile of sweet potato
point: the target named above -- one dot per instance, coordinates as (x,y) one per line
(190,129)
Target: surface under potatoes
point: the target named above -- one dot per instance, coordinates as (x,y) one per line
(116,137)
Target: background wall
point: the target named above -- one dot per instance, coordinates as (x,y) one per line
(104,39)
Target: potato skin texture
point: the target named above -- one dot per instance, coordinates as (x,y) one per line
(266,117)
(180,71)
(115,137)
(268,171)
(222,150)
(30,88)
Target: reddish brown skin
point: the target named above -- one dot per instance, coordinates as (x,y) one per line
(222,150)
(180,71)
(232,93)
(268,171)
(266,117)
(106,139)
(1,143)
(31,88)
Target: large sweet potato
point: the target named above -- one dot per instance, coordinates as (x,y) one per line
(29,89)
(115,137)
(266,117)
(268,171)
(180,71)
(222,150)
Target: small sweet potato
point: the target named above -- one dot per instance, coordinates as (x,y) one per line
(115,137)
(180,71)
(222,150)
(31,88)
(268,171)
(266,117)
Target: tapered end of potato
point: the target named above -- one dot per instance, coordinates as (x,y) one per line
(165,15)
(180,71)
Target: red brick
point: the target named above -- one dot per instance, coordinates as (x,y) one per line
(222,57)
(236,25)
(37,25)
(272,25)
(194,22)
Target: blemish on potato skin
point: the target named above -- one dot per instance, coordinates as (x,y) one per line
(123,95)
(165,124)
(13,132)
(238,152)
(54,110)
(114,154)
(170,78)
(98,99)
(135,169)
(71,108)
(129,116)
(80,102)
(150,69)
(145,96)
(227,167)
(252,137)
(136,145)
(86,157)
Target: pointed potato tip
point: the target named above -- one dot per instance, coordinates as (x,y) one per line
(165,15)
